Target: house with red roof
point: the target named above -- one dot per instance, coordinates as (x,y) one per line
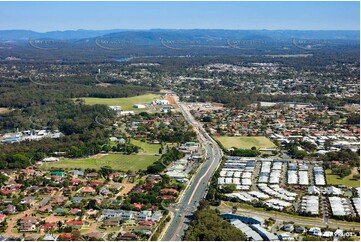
(167,197)
(88,190)
(66,236)
(76,211)
(96,183)
(138,205)
(168,191)
(74,182)
(147,223)
(2,217)
(48,227)
(75,224)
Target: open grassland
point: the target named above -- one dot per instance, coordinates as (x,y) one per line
(115,161)
(245,142)
(336,180)
(146,147)
(126,103)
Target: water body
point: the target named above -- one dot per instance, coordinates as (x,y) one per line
(124,59)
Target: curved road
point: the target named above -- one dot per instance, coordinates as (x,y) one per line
(196,190)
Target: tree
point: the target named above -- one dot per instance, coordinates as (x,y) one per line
(229,188)
(208,226)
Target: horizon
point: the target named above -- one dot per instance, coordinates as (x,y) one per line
(62,16)
(152,29)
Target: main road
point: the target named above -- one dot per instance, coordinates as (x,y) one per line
(197,188)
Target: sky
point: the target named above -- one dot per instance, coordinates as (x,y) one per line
(49,16)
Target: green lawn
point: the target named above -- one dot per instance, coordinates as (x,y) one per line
(336,180)
(115,161)
(146,147)
(245,142)
(126,103)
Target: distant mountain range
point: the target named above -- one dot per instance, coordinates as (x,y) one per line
(63,35)
(194,34)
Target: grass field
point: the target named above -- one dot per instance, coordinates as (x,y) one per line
(126,103)
(245,142)
(146,147)
(115,161)
(335,180)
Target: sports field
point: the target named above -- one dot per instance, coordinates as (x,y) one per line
(146,147)
(126,103)
(336,180)
(115,161)
(245,142)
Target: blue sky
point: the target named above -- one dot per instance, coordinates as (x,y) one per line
(47,16)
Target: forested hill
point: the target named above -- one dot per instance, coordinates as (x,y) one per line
(191,34)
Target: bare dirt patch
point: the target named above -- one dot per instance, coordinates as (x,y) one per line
(98,156)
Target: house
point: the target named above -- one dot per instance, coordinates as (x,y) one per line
(96,183)
(57,173)
(76,173)
(28,171)
(139,106)
(327,234)
(315,231)
(93,236)
(30,201)
(56,178)
(332,191)
(28,224)
(45,209)
(60,211)
(88,190)
(127,215)
(287,227)
(144,215)
(168,191)
(92,175)
(49,237)
(313,190)
(167,197)
(76,212)
(66,236)
(299,229)
(74,182)
(48,227)
(77,200)
(91,213)
(338,234)
(50,159)
(122,214)
(2,217)
(8,192)
(143,231)
(115,175)
(58,200)
(110,223)
(147,223)
(128,236)
(157,215)
(138,205)
(10,209)
(75,224)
